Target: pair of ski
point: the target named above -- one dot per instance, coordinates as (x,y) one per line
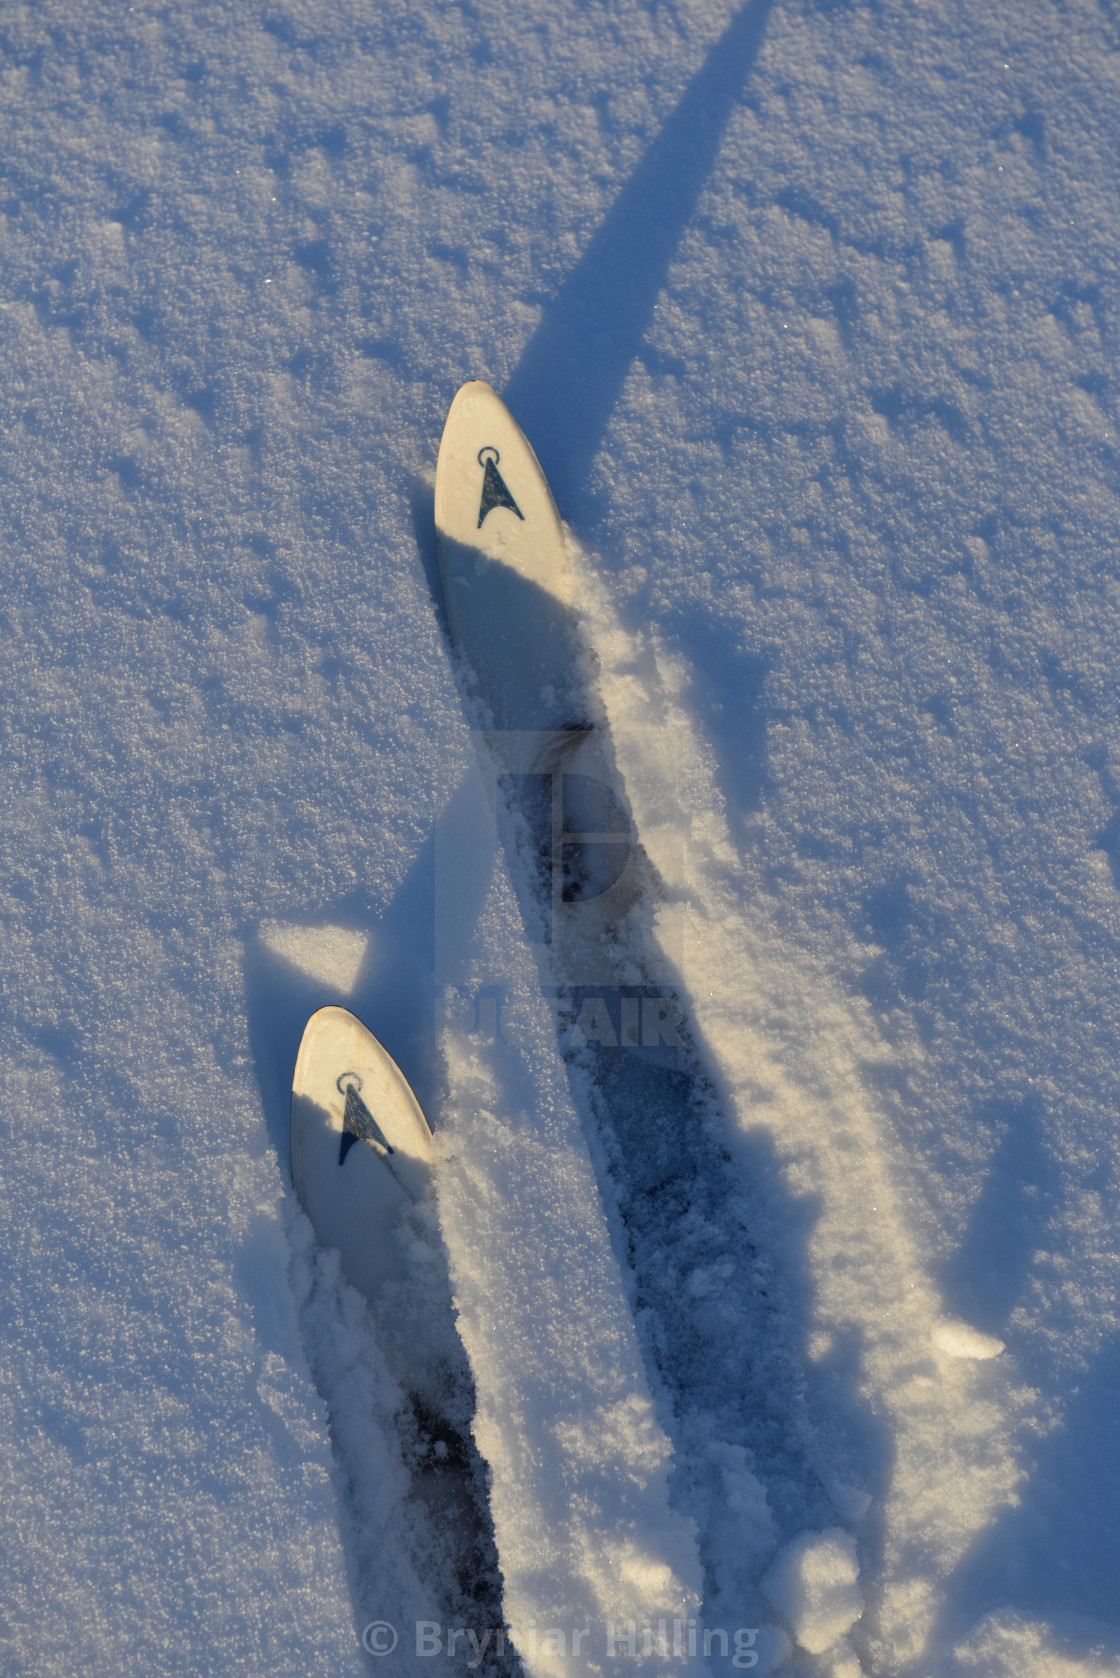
(362,1149)
(361,1146)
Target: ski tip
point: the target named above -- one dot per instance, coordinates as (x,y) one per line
(476,397)
(361,1146)
(492,505)
(343,1070)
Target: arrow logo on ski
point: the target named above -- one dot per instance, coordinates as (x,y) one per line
(494,490)
(358,1123)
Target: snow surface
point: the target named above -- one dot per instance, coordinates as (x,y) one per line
(810,310)
(813,1585)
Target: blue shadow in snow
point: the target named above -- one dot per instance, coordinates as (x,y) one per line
(990,1268)
(566,385)
(1053,1556)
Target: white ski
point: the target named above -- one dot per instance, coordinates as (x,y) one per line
(360,1145)
(508,589)
(506,580)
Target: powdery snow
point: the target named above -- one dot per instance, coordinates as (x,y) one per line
(811,313)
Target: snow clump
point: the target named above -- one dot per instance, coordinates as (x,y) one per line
(814,1587)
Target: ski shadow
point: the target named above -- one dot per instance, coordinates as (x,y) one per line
(570,375)
(568,380)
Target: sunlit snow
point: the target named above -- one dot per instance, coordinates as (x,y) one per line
(809,308)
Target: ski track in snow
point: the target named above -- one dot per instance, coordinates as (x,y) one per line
(874,1321)
(811,313)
